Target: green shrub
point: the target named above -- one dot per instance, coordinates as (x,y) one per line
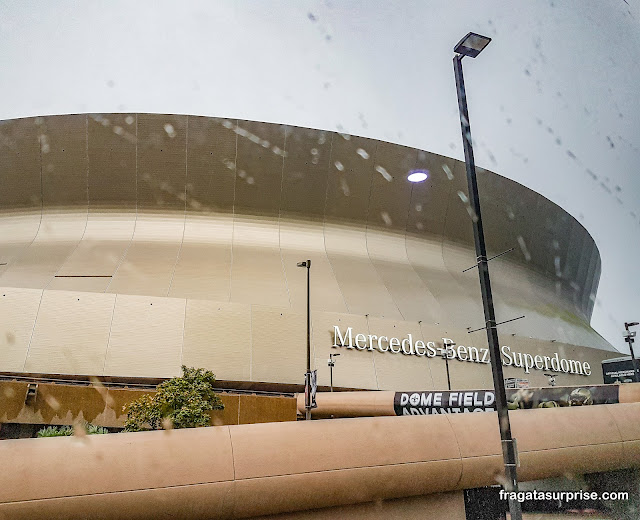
(65,431)
(55,431)
(180,402)
(92,429)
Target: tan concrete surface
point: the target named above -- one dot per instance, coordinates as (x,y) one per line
(229,471)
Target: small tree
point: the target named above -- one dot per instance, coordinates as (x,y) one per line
(180,402)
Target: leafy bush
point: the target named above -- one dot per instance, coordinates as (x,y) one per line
(55,431)
(65,431)
(92,429)
(180,402)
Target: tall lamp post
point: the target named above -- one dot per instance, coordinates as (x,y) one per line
(628,337)
(307,378)
(471,45)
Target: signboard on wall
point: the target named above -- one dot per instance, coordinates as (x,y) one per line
(410,346)
(432,402)
(618,370)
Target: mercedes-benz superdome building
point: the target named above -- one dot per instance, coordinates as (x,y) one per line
(131,244)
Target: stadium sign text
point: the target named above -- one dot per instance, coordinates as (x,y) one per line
(450,350)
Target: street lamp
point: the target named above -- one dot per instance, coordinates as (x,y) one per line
(628,337)
(307,377)
(471,45)
(331,364)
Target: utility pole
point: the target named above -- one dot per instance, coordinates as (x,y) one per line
(471,45)
(307,379)
(628,337)
(331,364)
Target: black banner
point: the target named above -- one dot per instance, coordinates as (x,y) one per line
(618,371)
(466,401)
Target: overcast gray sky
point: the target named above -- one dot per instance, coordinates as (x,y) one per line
(554,99)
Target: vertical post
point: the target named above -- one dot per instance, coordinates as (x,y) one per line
(508,448)
(331,372)
(307,380)
(634,362)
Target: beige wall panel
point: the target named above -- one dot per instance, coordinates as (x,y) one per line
(217,336)
(126,472)
(427,210)
(149,263)
(162,157)
(426,259)
(349,178)
(371,450)
(435,333)
(20,175)
(388,254)
(58,236)
(18,230)
(112,161)
(354,368)
(399,371)
(304,181)
(211,156)
(466,374)
(469,297)
(146,337)
(390,189)
(279,345)
(257,273)
(301,241)
(259,164)
(204,266)
(63,146)
(360,283)
(71,333)
(18,310)
(98,254)
(442,506)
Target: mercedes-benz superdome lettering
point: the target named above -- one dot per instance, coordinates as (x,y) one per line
(447,348)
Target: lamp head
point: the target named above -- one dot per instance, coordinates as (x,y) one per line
(630,324)
(304,264)
(471,45)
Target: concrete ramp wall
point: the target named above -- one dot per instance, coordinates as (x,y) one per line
(250,470)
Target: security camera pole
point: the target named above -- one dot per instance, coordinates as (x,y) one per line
(471,45)
(307,379)
(628,337)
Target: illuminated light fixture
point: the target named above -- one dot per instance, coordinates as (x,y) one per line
(417,175)
(472,45)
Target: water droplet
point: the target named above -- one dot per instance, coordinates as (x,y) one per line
(129,120)
(382,171)
(386,218)
(339,166)
(168,127)
(362,153)
(345,187)
(447,171)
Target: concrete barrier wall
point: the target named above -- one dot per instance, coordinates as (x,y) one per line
(60,404)
(252,470)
